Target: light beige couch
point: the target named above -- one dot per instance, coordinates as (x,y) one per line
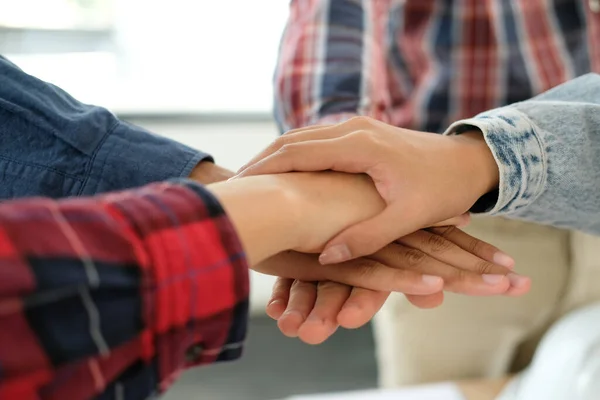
(472,337)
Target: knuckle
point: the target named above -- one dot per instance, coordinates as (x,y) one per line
(364,268)
(485,250)
(329,286)
(372,140)
(279,142)
(474,246)
(286,148)
(280,286)
(293,131)
(362,136)
(460,275)
(361,121)
(484,267)
(302,285)
(437,243)
(414,258)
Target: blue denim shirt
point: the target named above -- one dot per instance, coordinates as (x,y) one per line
(548,154)
(53,145)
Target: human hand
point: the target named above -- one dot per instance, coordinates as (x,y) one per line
(423,178)
(449,252)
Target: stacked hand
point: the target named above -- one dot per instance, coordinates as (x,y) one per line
(313,306)
(423,178)
(311,300)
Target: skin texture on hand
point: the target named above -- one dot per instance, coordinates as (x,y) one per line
(313,310)
(295,211)
(334,294)
(423,178)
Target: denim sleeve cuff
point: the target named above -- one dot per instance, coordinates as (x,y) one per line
(519,152)
(130,156)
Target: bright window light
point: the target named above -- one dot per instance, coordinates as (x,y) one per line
(177,56)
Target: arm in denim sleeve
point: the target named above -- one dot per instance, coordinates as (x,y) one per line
(548,154)
(53,145)
(332,63)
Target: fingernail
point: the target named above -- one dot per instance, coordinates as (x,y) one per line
(335,254)
(503,259)
(492,279)
(431,280)
(517,280)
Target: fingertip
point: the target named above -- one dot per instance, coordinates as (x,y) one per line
(417,284)
(465,220)
(289,323)
(335,254)
(314,333)
(352,317)
(275,308)
(519,285)
(496,284)
(503,259)
(428,301)
(433,283)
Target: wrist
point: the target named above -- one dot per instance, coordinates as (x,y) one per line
(327,203)
(478,163)
(262,210)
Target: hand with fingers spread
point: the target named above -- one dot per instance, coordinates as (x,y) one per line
(423,178)
(314,306)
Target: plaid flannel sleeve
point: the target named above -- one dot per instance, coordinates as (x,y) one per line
(113,296)
(332,63)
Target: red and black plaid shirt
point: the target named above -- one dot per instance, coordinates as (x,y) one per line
(111,297)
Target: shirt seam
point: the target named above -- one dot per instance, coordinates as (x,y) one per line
(93,158)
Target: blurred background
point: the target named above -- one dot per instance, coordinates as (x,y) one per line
(201,74)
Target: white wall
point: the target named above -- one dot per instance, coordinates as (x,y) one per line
(232,144)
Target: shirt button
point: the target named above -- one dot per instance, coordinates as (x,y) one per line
(194,353)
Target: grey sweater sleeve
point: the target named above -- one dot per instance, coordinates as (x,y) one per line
(548,154)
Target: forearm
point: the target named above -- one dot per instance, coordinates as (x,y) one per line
(55,146)
(263,211)
(295,211)
(548,154)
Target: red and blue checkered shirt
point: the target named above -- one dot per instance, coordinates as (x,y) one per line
(112,297)
(423,64)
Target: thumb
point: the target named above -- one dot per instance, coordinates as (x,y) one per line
(366,237)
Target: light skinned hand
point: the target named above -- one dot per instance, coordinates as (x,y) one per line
(303,198)
(327,188)
(422,177)
(313,309)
